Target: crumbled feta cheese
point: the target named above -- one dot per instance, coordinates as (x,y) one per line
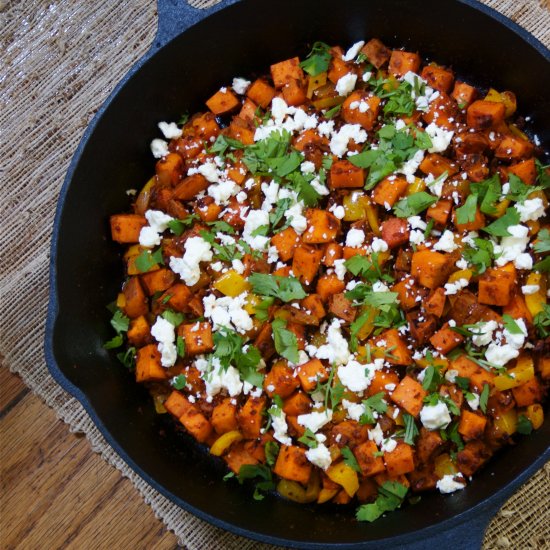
(483,333)
(379,245)
(340,139)
(500,355)
(410,167)
(228,311)
(196,250)
(336,349)
(446,243)
(357,376)
(340,269)
(280,428)
(170,130)
(447,483)
(456,287)
(416,222)
(346,84)
(320,456)
(355,237)
(388,445)
(164,333)
(223,191)
(210,171)
(516,340)
(434,417)
(451,375)
(376,434)
(473,401)
(440,137)
(240,85)
(355,410)
(530,289)
(255,220)
(338,211)
(307,167)
(314,421)
(514,245)
(523,261)
(530,209)
(352,53)
(159,148)
(379,286)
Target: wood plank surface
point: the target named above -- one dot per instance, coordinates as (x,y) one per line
(55,492)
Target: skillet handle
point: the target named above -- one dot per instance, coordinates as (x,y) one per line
(175,16)
(467,535)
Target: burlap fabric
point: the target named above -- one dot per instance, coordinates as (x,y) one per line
(59,60)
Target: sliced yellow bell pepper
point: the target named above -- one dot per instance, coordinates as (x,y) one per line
(443,465)
(345,476)
(142,201)
(314,82)
(523,372)
(224,442)
(231,284)
(462,274)
(325,495)
(372,218)
(252,300)
(418,185)
(297,493)
(507,422)
(535,302)
(535,414)
(120,300)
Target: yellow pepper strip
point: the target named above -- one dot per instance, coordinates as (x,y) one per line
(252,300)
(535,414)
(120,300)
(142,201)
(159,404)
(507,422)
(444,466)
(224,442)
(441,362)
(345,476)
(231,284)
(295,492)
(523,372)
(325,495)
(372,218)
(535,302)
(462,274)
(328,102)
(315,82)
(418,185)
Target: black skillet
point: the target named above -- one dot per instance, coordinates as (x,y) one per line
(176,75)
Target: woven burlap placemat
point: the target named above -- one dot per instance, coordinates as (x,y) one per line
(60,59)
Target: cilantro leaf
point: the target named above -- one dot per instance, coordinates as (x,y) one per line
(376,403)
(363,294)
(542,266)
(179,382)
(178,226)
(120,322)
(390,497)
(285,341)
(414,204)
(480,258)
(542,243)
(147,260)
(542,321)
(254,471)
(285,289)
(271,452)
(524,425)
(467,212)
(432,379)
(484,397)
(331,113)
(511,325)
(114,342)
(309,439)
(411,429)
(543,177)
(173,317)
(128,358)
(349,459)
(318,59)
(499,228)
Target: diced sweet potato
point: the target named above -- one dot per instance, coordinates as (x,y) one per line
(397,351)
(446,339)
(427,443)
(139,331)
(431,269)
(400,461)
(333,251)
(395,231)
(472,425)
(294,93)
(464,94)
(248,111)
(264,342)
(438,78)
(168,169)
(514,148)
(224,416)
(297,404)
(381,380)
(408,291)
(349,433)
(369,463)
(344,174)
(125,228)
(409,395)
(157,281)
(517,308)
(285,242)
(440,211)
(337,69)
(472,457)
(261,93)
(361,108)
(305,263)
(328,285)
(233,214)
(376,53)
(310,373)
(197,337)
(205,126)
(190,187)
(292,464)
(322,226)
(242,131)
(148,365)
(280,381)
(435,303)
(313,303)
(177,297)
(195,422)
(285,71)
(495,287)
(402,62)
(477,375)
(389,190)
(239,456)
(484,114)
(135,300)
(526,170)
(436,165)
(175,404)
(528,393)
(341,307)
(207,209)
(250,417)
(422,326)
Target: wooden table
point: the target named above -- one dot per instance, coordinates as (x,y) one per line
(56,492)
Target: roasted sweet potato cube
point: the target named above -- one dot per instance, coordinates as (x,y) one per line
(389,190)
(368,461)
(297,404)
(472,425)
(464,94)
(477,375)
(261,93)
(482,114)
(361,108)
(294,93)
(396,349)
(148,365)
(438,78)
(285,71)
(264,342)
(528,393)
(190,187)
(477,223)
(239,456)
(248,111)
(175,404)
(395,231)
(305,263)
(435,303)
(337,69)
(223,101)
(311,373)
(340,306)
(427,443)
(322,226)
(514,148)
(224,416)
(383,382)
(250,417)
(328,285)
(409,395)
(375,51)
(285,242)
(400,461)
(194,421)
(157,281)
(495,287)
(439,212)
(344,174)
(177,297)
(168,169)
(431,268)
(402,62)
(292,464)
(139,332)
(280,380)
(526,170)
(313,304)
(333,251)
(436,165)
(207,209)
(472,457)
(125,228)
(205,126)
(242,131)
(135,300)
(446,339)
(408,292)
(197,337)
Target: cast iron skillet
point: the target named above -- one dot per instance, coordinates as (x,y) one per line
(176,75)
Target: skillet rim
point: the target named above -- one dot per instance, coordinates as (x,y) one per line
(488,505)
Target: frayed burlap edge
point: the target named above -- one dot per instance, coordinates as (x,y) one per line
(62,59)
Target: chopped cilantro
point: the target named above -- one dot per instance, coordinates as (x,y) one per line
(542,266)
(467,212)
(390,497)
(147,260)
(414,204)
(179,226)
(285,341)
(376,403)
(271,452)
(511,325)
(309,439)
(180,346)
(285,289)
(432,378)
(127,358)
(349,459)
(484,397)
(120,322)
(318,59)
(179,382)
(254,471)
(114,342)
(524,425)
(542,321)
(411,429)
(542,244)
(173,317)
(499,228)
(331,113)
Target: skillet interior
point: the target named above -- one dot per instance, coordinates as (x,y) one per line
(242,40)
